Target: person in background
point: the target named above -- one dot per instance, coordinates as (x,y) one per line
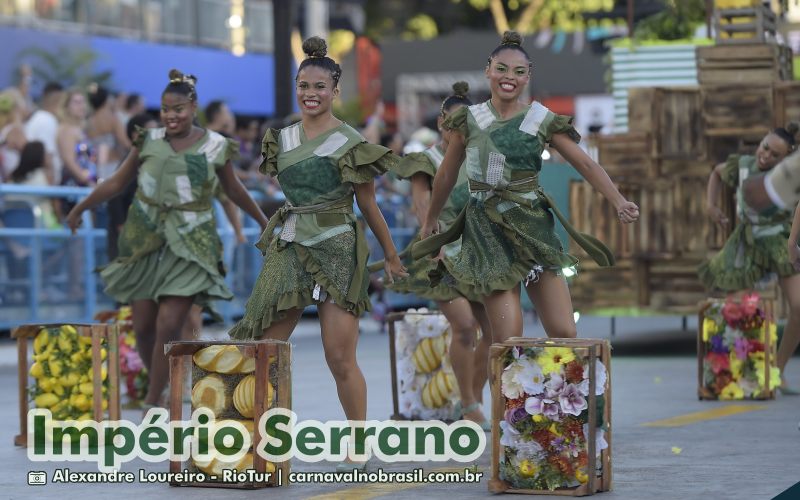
(105,132)
(35,170)
(12,135)
(42,126)
(133,106)
(220,119)
(247,130)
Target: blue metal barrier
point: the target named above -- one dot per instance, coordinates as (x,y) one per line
(243,262)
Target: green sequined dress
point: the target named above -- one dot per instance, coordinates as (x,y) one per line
(319,250)
(507,228)
(758,245)
(169,245)
(418,282)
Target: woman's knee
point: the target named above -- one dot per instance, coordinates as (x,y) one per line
(565,331)
(341,363)
(464,331)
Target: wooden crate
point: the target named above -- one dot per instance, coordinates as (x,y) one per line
(591,213)
(706,389)
(406,348)
(745,25)
(655,233)
(752,64)
(787,103)
(97,334)
(271,368)
(672,116)
(741,111)
(626,156)
(590,288)
(596,416)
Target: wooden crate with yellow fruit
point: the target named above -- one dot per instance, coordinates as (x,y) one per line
(423,384)
(235,381)
(75,372)
(551,416)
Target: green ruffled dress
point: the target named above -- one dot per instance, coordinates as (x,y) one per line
(169,243)
(320,250)
(758,245)
(418,282)
(507,228)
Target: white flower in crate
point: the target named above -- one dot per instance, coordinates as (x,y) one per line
(601,376)
(432,326)
(530,377)
(509,435)
(405,372)
(600,439)
(511,388)
(405,339)
(412,318)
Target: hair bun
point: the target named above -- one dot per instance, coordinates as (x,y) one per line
(792,128)
(511,38)
(315,47)
(460,89)
(175,75)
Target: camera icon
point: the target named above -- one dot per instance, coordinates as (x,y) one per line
(37,478)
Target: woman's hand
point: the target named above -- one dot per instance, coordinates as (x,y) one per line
(794,255)
(627,212)
(717,215)
(74,218)
(394,268)
(428,229)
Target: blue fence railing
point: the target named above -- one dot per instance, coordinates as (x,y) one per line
(49,275)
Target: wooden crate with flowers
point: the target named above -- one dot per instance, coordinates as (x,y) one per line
(75,370)
(133,374)
(237,381)
(551,416)
(423,384)
(736,354)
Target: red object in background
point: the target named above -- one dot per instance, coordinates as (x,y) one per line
(368,64)
(560,105)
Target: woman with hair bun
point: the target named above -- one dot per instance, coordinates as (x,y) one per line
(169,248)
(319,256)
(762,244)
(507,227)
(468,357)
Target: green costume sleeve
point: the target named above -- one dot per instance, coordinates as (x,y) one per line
(365,161)
(562,124)
(414,163)
(458,121)
(231,153)
(730,174)
(269,153)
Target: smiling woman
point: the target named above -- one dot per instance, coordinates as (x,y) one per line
(507,227)
(319,256)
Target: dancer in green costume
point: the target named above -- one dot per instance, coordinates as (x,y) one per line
(469,360)
(507,228)
(320,254)
(760,244)
(169,249)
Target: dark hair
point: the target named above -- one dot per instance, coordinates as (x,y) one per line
(131,100)
(243,122)
(31,158)
(139,120)
(181,84)
(213,109)
(97,96)
(52,87)
(460,91)
(513,41)
(788,133)
(316,51)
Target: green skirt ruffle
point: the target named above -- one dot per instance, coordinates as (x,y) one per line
(418,281)
(288,278)
(162,273)
(744,261)
(500,250)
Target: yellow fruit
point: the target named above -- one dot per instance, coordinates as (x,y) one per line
(429,352)
(45,400)
(249,366)
(87,388)
(58,389)
(245,393)
(219,358)
(85,416)
(55,367)
(209,392)
(41,341)
(64,344)
(103,353)
(82,402)
(205,357)
(37,371)
(68,330)
(103,373)
(46,384)
(85,340)
(438,389)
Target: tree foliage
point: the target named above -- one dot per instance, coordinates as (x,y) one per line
(530,16)
(68,66)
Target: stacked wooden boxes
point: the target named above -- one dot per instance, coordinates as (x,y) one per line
(237,381)
(745,23)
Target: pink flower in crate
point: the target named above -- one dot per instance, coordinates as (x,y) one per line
(732,312)
(750,304)
(571,400)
